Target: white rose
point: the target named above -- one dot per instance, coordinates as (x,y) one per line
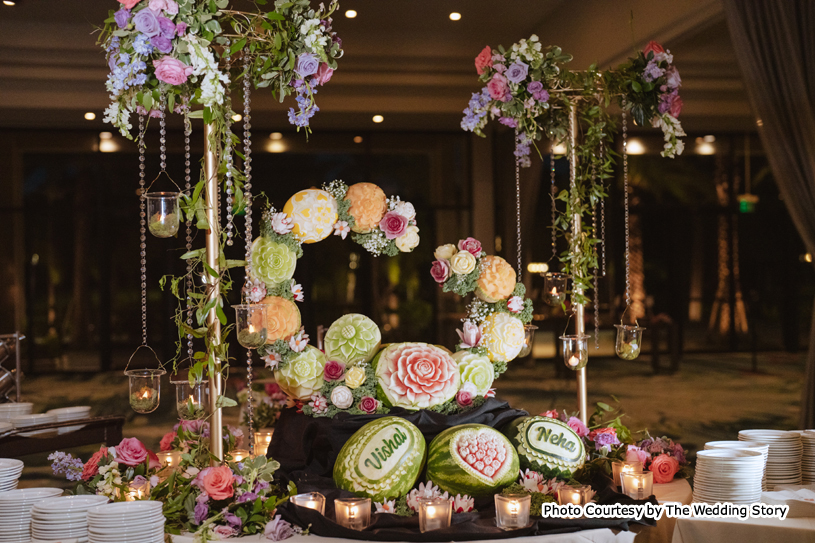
(342,397)
(406,209)
(462,262)
(409,240)
(445,252)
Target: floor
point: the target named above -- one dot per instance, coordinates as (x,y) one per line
(711,397)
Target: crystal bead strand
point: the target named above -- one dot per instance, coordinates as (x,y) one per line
(552,192)
(188,189)
(247,200)
(162,123)
(142,233)
(596,289)
(625,200)
(228,155)
(518,212)
(603,218)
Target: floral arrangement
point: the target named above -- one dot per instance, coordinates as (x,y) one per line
(268,401)
(540,488)
(662,456)
(191,438)
(111,471)
(408,505)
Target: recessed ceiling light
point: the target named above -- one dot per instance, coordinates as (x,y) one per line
(9,2)
(89,116)
(275,136)
(455,16)
(378,118)
(357,139)
(276,147)
(635,147)
(705,148)
(350,13)
(236,117)
(710,138)
(105,136)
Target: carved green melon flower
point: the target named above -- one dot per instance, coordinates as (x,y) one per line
(352,339)
(272,262)
(303,375)
(476,369)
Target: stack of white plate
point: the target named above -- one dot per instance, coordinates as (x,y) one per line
(808,457)
(763,448)
(126,522)
(15,512)
(64,414)
(784,460)
(10,470)
(24,421)
(11,410)
(728,475)
(57,519)
(5,427)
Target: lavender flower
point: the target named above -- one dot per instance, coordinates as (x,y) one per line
(305,103)
(679,453)
(201,512)
(65,464)
(246,497)
(142,46)
(122,17)
(161,43)
(476,110)
(602,440)
(517,72)
(508,121)
(652,71)
(522,150)
(307,64)
(147,22)
(166,27)
(232,519)
(278,529)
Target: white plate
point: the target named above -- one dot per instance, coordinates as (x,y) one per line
(70,503)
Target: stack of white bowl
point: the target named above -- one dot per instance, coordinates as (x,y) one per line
(65,414)
(15,512)
(728,475)
(784,460)
(808,457)
(10,470)
(57,519)
(763,448)
(24,421)
(11,410)
(126,522)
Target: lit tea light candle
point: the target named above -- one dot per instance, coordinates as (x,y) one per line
(574,360)
(353,513)
(434,514)
(138,492)
(263,438)
(619,468)
(512,512)
(311,500)
(638,485)
(239,455)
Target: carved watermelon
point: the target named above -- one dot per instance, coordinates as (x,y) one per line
(382,460)
(472,459)
(543,442)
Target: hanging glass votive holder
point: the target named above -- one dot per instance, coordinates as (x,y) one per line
(629,341)
(191,399)
(529,340)
(575,350)
(251,325)
(554,288)
(145,389)
(163,214)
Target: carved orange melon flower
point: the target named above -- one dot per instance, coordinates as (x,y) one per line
(282,318)
(496,281)
(368,206)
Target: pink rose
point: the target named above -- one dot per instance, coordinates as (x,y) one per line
(171,70)
(224,532)
(664,467)
(471,245)
(333,371)
(166,443)
(323,75)
(498,87)
(577,425)
(552,414)
(393,224)
(483,60)
(128,4)
(154,461)
(636,454)
(653,47)
(194,426)
(217,482)
(163,5)
(131,452)
(420,375)
(92,465)
(440,270)
(368,404)
(464,398)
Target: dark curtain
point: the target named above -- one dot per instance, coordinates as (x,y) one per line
(775,47)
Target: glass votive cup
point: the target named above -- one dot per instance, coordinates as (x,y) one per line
(250,324)
(169,459)
(353,513)
(638,485)
(191,399)
(629,341)
(434,514)
(163,213)
(239,455)
(575,495)
(619,467)
(512,512)
(138,492)
(262,440)
(529,340)
(311,500)
(145,389)
(575,351)
(554,288)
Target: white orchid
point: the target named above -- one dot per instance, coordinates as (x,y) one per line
(281,223)
(388,506)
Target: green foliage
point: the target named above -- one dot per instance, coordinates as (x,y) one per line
(463,284)
(537,498)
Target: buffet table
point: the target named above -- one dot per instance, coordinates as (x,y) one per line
(677,491)
(698,530)
(586,536)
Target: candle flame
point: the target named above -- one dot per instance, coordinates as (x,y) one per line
(574,360)
(554,291)
(251,329)
(352,513)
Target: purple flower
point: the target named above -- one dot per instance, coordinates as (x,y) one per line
(679,453)
(307,64)
(161,43)
(181,29)
(278,529)
(66,464)
(602,440)
(232,519)
(542,96)
(508,121)
(534,86)
(246,497)
(122,17)
(261,485)
(201,510)
(517,72)
(652,71)
(139,480)
(166,27)
(147,23)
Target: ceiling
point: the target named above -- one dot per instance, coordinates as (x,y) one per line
(405,60)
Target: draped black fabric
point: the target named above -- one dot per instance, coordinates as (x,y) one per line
(775,48)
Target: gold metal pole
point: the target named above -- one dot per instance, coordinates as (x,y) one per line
(213,324)
(580,325)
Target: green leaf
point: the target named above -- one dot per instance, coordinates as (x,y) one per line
(223,401)
(603,406)
(636,86)
(196,114)
(193,254)
(274,16)
(237,46)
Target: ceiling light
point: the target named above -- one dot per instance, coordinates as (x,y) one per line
(89,116)
(455,16)
(710,138)
(357,139)
(537,267)
(559,149)
(705,148)
(635,147)
(275,136)
(236,117)
(378,118)
(105,136)
(106,143)
(350,13)
(9,2)
(276,146)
